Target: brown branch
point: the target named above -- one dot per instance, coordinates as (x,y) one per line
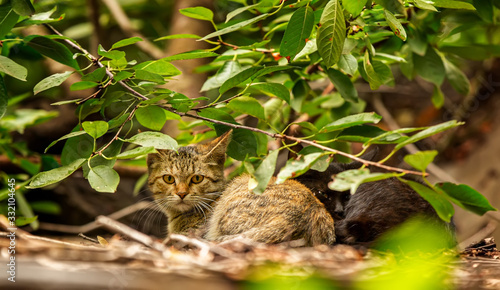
(125,230)
(127,28)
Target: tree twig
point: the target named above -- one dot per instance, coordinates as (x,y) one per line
(126,26)
(125,230)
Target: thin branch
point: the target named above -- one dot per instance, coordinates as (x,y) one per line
(126,26)
(125,230)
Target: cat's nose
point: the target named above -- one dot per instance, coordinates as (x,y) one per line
(182,194)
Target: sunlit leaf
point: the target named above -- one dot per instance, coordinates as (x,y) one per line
(421,159)
(126,42)
(352,179)
(198,12)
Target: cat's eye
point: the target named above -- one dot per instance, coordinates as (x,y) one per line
(197,179)
(169,179)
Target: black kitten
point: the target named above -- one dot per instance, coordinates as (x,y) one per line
(375,208)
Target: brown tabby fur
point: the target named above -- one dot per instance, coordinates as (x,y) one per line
(186,204)
(283,212)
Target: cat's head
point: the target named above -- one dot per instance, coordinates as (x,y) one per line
(190,178)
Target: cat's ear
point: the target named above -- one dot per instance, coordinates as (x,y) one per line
(216,150)
(153,158)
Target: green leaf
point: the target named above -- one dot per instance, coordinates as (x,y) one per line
(264,172)
(51,81)
(247,105)
(350,121)
(55,175)
(136,152)
(372,77)
(437,97)
(348,64)
(53,49)
(300,92)
(240,10)
(83,86)
(23,7)
(467,198)
(273,89)
(67,136)
(95,76)
(103,179)
(123,75)
(428,132)
(152,117)
(41,18)
(235,27)
(294,168)
(8,19)
(113,149)
(76,147)
(160,67)
(332,33)
(126,42)
(297,32)
(198,12)
(343,84)
(443,207)
(421,159)
(453,4)
(424,4)
(22,221)
(154,139)
(352,179)
(191,55)
(243,143)
(354,6)
(95,129)
(177,36)
(239,78)
(4,98)
(395,6)
(13,69)
(112,54)
(430,67)
(456,77)
(46,206)
(395,25)
(228,70)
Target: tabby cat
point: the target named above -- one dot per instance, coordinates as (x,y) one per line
(185,184)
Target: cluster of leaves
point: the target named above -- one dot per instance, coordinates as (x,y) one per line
(264,58)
